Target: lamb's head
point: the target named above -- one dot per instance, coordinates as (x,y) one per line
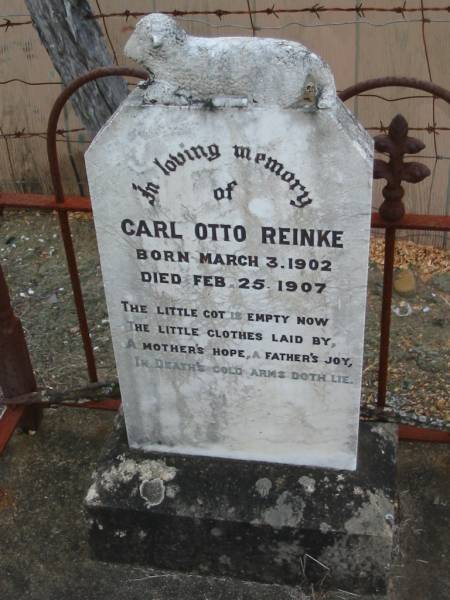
(155,36)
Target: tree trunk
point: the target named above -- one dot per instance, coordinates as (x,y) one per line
(76,45)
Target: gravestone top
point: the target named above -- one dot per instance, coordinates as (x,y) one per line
(263,71)
(233,231)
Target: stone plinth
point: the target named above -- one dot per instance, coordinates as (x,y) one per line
(258,521)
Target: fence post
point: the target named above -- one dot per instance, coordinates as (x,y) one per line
(16,372)
(395,144)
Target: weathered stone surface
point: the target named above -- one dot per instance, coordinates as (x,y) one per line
(187,385)
(265,522)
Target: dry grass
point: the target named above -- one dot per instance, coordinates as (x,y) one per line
(424,259)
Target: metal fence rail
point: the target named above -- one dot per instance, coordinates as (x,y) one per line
(395,144)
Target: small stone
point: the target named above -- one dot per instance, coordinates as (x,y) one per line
(405,282)
(404,309)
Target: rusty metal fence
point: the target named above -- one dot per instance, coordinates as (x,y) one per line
(18,392)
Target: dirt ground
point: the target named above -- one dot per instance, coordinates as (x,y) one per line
(44,553)
(32,257)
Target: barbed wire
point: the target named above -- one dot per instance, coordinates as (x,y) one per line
(133,84)
(8,24)
(316,25)
(108,37)
(432,129)
(22,133)
(427,59)
(17,80)
(315,9)
(284,26)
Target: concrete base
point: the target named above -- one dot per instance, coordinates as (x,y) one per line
(258,521)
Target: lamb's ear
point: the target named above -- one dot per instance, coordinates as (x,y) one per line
(140,45)
(141,41)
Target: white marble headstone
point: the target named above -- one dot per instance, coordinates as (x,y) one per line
(233,230)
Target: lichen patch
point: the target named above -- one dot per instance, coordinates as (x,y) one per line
(152,492)
(370,518)
(324,528)
(308,484)
(263,487)
(92,496)
(287,512)
(127,469)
